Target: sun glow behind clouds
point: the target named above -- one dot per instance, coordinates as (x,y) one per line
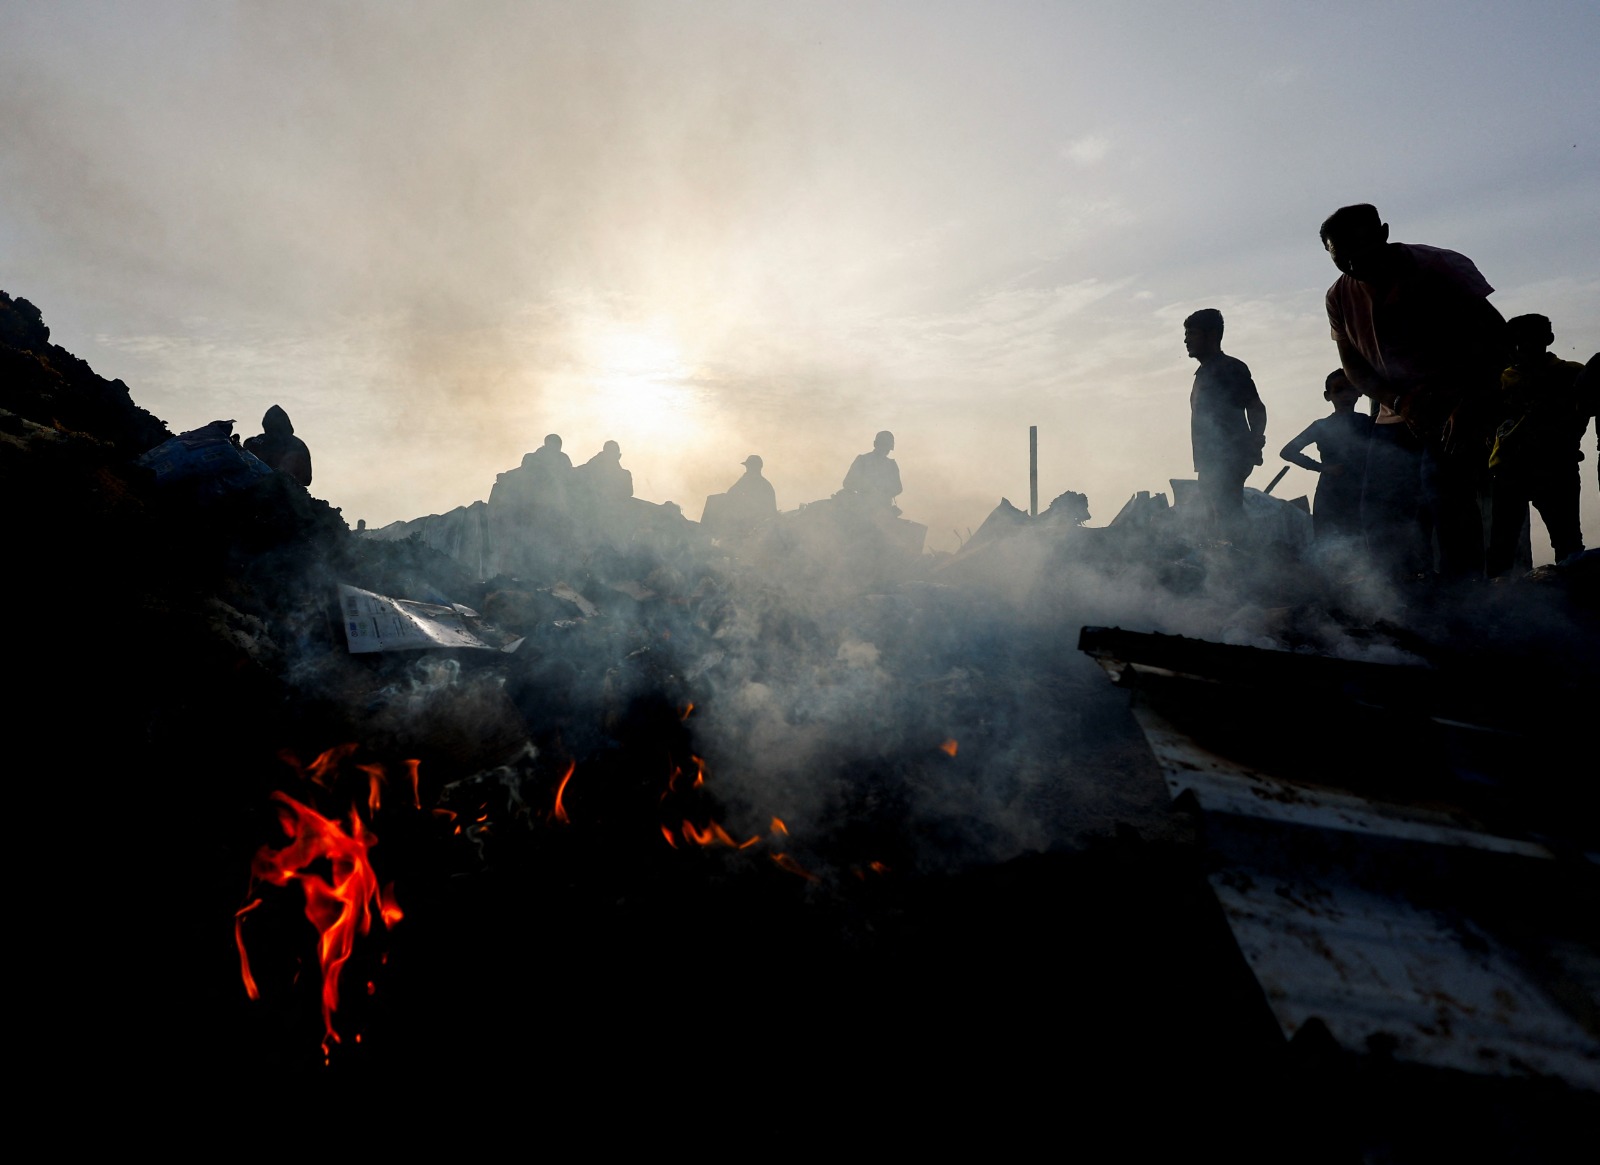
(637,378)
(632,379)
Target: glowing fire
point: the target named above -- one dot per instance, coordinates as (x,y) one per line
(713,833)
(321,769)
(785,862)
(560,813)
(250,987)
(948,747)
(376,779)
(339,908)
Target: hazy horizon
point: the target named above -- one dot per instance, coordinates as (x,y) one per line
(435,233)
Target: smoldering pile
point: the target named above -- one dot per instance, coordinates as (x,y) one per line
(716,789)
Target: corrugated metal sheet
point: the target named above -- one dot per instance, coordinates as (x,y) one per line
(1406,928)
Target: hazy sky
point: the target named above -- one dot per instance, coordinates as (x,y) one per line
(435,232)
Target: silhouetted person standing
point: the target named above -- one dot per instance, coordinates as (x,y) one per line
(1227,423)
(280,448)
(1341,439)
(874,478)
(1536,451)
(1417,334)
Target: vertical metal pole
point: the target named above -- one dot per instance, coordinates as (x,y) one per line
(1033,471)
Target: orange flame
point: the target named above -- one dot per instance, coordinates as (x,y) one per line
(561,810)
(376,779)
(339,909)
(411,775)
(250,987)
(779,827)
(688,710)
(667,833)
(699,837)
(328,762)
(714,833)
(390,909)
(785,862)
(948,747)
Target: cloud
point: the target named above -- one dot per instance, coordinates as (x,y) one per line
(1088,150)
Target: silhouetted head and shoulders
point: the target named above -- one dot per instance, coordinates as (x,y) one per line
(1202,340)
(1344,396)
(280,448)
(875,476)
(748,502)
(604,473)
(1340,437)
(753,487)
(610,454)
(1414,325)
(1221,380)
(548,457)
(1529,338)
(1357,240)
(1538,385)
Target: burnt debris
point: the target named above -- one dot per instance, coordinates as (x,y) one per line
(798,796)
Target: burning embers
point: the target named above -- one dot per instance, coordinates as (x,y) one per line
(684,799)
(497,818)
(332,864)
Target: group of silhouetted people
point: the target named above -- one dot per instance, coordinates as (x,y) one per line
(548,478)
(1472,417)
(870,488)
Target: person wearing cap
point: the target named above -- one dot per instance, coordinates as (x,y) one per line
(753,494)
(747,503)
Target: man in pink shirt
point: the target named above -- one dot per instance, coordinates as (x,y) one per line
(1417,334)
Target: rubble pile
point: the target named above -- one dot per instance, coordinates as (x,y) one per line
(663,797)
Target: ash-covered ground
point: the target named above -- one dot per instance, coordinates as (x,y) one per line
(980,913)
